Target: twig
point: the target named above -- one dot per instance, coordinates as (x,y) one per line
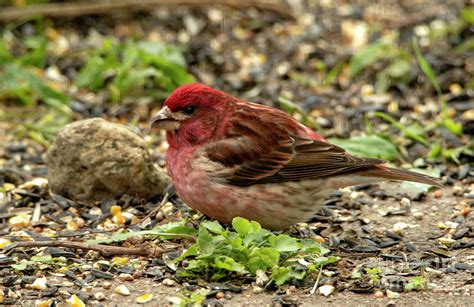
(154,211)
(355,255)
(316,284)
(107,6)
(104,250)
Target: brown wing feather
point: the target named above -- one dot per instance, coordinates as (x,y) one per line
(319,159)
(254,148)
(259,147)
(291,159)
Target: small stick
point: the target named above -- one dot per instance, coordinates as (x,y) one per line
(155,211)
(316,284)
(104,250)
(75,9)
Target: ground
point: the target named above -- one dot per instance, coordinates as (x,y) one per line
(346,68)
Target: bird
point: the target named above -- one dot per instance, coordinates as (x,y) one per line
(229,158)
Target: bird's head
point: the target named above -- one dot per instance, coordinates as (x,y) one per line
(191,113)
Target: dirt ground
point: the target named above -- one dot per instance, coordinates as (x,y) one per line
(260,56)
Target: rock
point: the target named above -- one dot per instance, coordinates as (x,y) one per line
(326,290)
(418,215)
(168,282)
(392,294)
(122,290)
(93,160)
(99,296)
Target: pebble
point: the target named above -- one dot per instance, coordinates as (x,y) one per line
(462,266)
(168,282)
(460,233)
(391,304)
(392,294)
(106,285)
(326,290)
(457,190)
(418,215)
(122,290)
(75,301)
(261,278)
(99,296)
(125,277)
(220,295)
(39,284)
(257,289)
(405,202)
(379,294)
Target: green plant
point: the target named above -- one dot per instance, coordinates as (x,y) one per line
(374,274)
(417,283)
(395,71)
(134,68)
(21,78)
(445,120)
(178,229)
(372,146)
(188,298)
(221,253)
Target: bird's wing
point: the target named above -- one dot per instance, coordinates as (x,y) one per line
(259,151)
(316,159)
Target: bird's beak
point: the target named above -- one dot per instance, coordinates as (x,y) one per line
(165,120)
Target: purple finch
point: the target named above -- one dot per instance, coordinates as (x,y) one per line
(228,157)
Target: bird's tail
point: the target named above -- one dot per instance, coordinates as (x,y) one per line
(380,171)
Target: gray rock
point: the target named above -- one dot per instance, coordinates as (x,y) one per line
(93,159)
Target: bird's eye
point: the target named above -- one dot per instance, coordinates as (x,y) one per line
(189,110)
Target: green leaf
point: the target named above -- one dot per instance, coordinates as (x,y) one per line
(263,258)
(371,146)
(205,243)
(322,261)
(48,259)
(368,56)
(397,72)
(451,125)
(467,14)
(5,56)
(417,283)
(426,68)
(172,55)
(242,226)
(229,264)
(435,151)
(18,82)
(20,266)
(213,226)
(310,246)
(193,250)
(414,132)
(284,243)
(91,74)
(466,46)
(281,275)
(166,231)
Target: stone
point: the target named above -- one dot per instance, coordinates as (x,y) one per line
(122,290)
(93,159)
(326,290)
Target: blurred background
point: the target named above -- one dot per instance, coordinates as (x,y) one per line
(390,79)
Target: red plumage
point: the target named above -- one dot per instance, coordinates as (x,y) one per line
(228,157)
